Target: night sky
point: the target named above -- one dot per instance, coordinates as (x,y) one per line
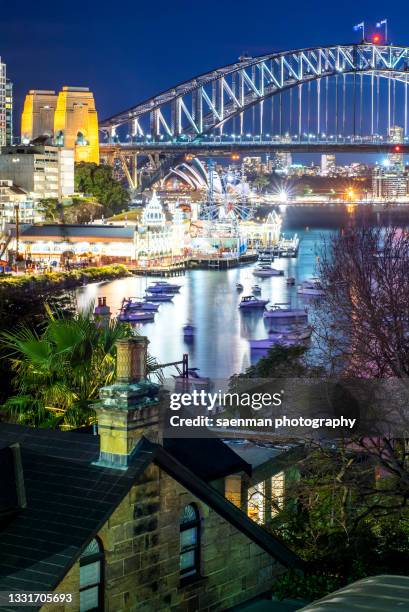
(128,50)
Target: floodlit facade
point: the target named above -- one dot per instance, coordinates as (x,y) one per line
(389,182)
(37,118)
(42,171)
(76,123)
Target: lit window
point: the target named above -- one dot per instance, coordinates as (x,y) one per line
(256,502)
(91,574)
(190,542)
(277,493)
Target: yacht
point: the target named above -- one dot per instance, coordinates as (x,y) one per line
(250,301)
(138,304)
(311,286)
(164,287)
(136,316)
(159,297)
(279,314)
(265,271)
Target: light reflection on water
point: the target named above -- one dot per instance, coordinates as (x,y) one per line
(209,299)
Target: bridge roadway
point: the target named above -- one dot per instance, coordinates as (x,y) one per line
(229,148)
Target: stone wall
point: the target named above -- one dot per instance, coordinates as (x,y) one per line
(141,544)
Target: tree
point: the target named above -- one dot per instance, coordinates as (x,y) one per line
(98,181)
(51,209)
(58,371)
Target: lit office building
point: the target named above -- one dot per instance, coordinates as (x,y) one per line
(282,161)
(328,165)
(396,136)
(42,171)
(389,182)
(9,112)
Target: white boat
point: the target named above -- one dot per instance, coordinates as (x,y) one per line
(239,287)
(286,315)
(192,381)
(266,255)
(135,317)
(136,304)
(311,286)
(265,271)
(291,280)
(164,287)
(256,289)
(159,297)
(250,302)
(297,333)
(267,343)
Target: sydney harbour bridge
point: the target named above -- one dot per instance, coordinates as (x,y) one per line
(339,98)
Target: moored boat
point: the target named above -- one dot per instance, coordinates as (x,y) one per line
(250,302)
(311,286)
(164,287)
(256,289)
(137,304)
(239,287)
(286,315)
(159,297)
(265,271)
(189,330)
(136,316)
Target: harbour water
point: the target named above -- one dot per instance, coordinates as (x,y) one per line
(209,300)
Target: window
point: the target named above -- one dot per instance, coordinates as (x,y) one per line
(255,502)
(91,577)
(190,542)
(277,493)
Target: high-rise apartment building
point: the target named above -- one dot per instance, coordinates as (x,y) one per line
(9,112)
(42,171)
(396,135)
(3,114)
(389,182)
(327,164)
(37,118)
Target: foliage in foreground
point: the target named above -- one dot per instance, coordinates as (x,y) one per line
(58,371)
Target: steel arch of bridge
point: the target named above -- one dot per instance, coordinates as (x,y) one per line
(206,102)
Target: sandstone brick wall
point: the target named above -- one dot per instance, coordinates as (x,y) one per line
(141,543)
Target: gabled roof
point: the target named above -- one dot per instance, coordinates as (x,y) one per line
(69,499)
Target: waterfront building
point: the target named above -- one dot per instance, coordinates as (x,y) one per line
(14,202)
(252,164)
(158,238)
(3,104)
(389,182)
(133,519)
(9,113)
(76,123)
(42,171)
(101,244)
(328,165)
(37,119)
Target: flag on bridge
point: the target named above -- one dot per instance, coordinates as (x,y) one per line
(359,26)
(381,23)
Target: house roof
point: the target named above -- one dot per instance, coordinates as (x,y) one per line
(69,499)
(66,231)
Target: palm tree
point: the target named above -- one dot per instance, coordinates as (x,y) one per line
(59,371)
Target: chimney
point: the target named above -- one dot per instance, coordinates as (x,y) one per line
(102,313)
(129,408)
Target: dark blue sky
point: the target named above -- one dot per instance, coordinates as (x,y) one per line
(127,50)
